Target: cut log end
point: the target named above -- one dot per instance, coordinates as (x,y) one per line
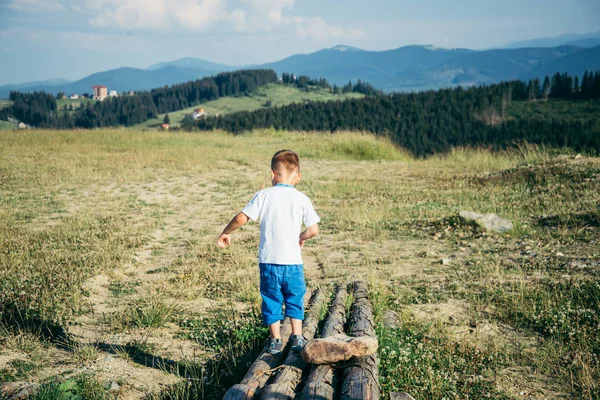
(338,348)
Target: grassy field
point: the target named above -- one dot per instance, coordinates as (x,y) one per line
(110,272)
(277,95)
(7,125)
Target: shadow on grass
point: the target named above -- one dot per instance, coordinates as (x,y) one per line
(207,379)
(574,220)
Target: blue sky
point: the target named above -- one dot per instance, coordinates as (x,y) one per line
(46,39)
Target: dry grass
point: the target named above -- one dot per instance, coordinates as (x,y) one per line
(110,235)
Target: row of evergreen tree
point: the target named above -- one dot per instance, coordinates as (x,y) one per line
(304,82)
(434,121)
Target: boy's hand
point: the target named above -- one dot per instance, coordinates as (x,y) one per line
(301,242)
(224,240)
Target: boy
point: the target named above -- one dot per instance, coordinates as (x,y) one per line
(281,210)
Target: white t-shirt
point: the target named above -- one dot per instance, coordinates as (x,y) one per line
(281,210)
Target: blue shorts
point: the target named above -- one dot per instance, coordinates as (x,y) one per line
(282,284)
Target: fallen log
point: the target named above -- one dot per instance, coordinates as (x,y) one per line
(338,348)
(361,376)
(288,377)
(260,371)
(321,380)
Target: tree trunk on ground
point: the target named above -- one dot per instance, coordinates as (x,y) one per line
(321,381)
(287,379)
(361,376)
(260,371)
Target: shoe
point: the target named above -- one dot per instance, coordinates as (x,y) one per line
(298,342)
(273,346)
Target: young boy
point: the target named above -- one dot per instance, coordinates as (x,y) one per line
(281,210)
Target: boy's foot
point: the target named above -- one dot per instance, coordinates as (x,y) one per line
(273,346)
(298,342)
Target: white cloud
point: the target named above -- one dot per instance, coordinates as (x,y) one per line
(250,16)
(315,28)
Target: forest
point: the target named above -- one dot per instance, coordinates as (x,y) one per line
(435,121)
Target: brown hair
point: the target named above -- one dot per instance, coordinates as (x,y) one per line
(289,159)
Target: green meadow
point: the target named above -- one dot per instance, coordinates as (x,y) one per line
(110,273)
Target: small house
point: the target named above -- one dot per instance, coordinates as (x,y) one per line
(113,93)
(199,113)
(165,127)
(74,96)
(22,125)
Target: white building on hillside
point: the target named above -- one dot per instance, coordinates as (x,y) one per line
(199,113)
(113,93)
(74,96)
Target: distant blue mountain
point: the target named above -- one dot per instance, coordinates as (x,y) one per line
(120,79)
(194,63)
(413,68)
(409,68)
(574,64)
(567,39)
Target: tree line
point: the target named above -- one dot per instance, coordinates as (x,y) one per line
(435,121)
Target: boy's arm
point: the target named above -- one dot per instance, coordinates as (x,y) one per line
(225,237)
(310,232)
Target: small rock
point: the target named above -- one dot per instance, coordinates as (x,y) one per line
(390,319)
(10,388)
(445,261)
(336,348)
(490,222)
(27,392)
(577,157)
(400,396)
(112,386)
(559,254)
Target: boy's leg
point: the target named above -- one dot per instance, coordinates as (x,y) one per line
(294,289)
(296,326)
(275,330)
(272,298)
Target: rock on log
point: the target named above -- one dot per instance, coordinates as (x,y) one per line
(361,376)
(260,371)
(321,381)
(337,348)
(287,379)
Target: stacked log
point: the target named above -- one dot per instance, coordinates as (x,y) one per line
(260,371)
(321,380)
(289,375)
(361,376)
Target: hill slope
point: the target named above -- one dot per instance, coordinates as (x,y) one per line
(272,95)
(574,64)
(567,39)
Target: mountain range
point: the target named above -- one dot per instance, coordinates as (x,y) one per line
(409,68)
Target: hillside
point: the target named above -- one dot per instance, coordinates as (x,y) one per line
(575,64)
(567,39)
(276,94)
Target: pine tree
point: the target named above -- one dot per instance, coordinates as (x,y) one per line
(166,119)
